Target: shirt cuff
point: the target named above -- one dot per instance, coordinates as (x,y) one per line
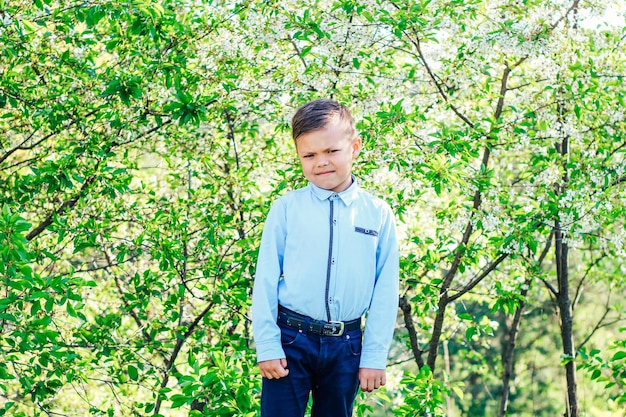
(267,351)
(373,359)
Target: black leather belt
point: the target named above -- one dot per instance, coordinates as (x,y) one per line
(299,321)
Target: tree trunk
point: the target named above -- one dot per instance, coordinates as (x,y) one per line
(567,321)
(563,295)
(507,359)
(508,356)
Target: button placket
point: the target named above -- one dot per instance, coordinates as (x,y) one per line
(332,223)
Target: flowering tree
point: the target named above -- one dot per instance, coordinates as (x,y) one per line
(145,141)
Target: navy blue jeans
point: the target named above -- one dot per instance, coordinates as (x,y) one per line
(325,366)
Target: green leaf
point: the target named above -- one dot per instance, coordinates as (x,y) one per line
(178,400)
(30,26)
(112,44)
(465,316)
(458,391)
(471,332)
(133,373)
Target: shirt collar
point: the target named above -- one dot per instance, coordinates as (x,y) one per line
(347,196)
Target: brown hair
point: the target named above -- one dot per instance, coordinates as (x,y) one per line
(316,114)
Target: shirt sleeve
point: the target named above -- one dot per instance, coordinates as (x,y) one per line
(383,310)
(269,269)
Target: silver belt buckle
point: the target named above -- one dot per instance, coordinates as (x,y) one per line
(334,328)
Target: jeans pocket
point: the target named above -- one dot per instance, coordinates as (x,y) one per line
(289,336)
(354,345)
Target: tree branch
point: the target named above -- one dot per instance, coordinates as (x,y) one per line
(21,146)
(130,309)
(298,52)
(67,205)
(337,71)
(417,44)
(578,291)
(179,344)
(572,8)
(509,349)
(486,271)
(598,324)
(410,327)
(43,139)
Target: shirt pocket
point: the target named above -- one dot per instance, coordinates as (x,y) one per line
(366,231)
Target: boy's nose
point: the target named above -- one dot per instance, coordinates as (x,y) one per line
(322,161)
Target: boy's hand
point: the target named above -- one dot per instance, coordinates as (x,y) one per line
(372,379)
(274,369)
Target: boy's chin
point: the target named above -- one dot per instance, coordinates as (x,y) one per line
(324,185)
(332,186)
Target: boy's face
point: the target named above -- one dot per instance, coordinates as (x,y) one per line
(326,156)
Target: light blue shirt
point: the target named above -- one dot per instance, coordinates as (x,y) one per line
(328,254)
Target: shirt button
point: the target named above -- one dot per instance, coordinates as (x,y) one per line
(335,222)
(333,261)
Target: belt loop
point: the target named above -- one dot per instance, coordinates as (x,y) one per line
(307,319)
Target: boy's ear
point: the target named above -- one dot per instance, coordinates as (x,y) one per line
(357,144)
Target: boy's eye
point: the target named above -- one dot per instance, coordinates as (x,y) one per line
(307,156)
(334,150)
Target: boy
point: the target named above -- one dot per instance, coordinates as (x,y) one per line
(328,255)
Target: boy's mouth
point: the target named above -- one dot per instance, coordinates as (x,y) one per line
(325,173)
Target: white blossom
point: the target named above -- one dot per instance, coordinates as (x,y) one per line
(6,19)
(490,222)
(566,198)
(616,115)
(597,177)
(549,176)
(618,241)
(567,217)
(79,52)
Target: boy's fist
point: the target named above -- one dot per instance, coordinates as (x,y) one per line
(372,379)
(274,369)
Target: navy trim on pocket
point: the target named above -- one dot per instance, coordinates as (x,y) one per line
(366,231)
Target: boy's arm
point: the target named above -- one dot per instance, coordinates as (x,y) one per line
(381,318)
(265,292)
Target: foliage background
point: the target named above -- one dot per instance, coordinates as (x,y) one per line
(143,142)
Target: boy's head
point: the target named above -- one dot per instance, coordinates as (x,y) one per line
(326,143)
(316,114)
